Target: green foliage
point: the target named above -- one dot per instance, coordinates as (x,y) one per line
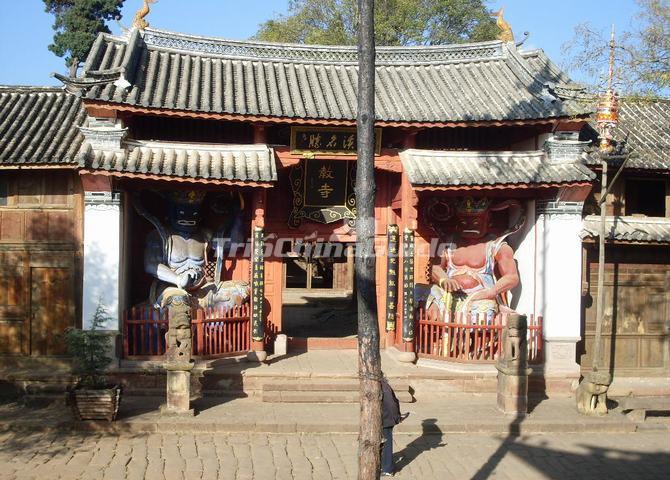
(397,22)
(89,349)
(77,24)
(642,54)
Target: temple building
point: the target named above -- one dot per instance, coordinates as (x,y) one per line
(636,319)
(248,149)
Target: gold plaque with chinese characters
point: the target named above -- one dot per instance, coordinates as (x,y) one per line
(323,191)
(328,140)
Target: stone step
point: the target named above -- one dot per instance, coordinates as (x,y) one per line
(274,396)
(323,385)
(323,391)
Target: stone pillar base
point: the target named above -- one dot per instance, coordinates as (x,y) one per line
(281,345)
(165,411)
(257,356)
(512,392)
(178,393)
(400,355)
(561,357)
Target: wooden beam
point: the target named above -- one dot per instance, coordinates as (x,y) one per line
(410,203)
(96,183)
(117,108)
(389,160)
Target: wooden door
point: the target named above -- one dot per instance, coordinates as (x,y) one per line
(51,305)
(636,314)
(13,310)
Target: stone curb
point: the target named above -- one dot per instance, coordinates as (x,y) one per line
(176,426)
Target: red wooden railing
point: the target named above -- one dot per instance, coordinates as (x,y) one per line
(144,329)
(473,340)
(216,332)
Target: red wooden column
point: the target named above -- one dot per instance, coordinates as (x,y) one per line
(260,134)
(410,138)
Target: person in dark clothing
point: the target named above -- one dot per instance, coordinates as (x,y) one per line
(390,418)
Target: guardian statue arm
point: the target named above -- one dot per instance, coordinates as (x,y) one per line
(509,276)
(154,263)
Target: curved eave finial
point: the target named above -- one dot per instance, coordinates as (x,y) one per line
(139,22)
(506,34)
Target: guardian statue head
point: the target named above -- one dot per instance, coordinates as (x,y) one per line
(185,210)
(472,217)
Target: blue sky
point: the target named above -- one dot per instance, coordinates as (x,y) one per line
(25,29)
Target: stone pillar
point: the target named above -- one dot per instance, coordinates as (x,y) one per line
(512,367)
(559,271)
(178,361)
(257,353)
(408,354)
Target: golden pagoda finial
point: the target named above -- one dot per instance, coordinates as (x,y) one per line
(607,116)
(506,34)
(139,21)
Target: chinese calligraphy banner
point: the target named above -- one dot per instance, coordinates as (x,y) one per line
(258,287)
(323,191)
(392,277)
(408,285)
(328,140)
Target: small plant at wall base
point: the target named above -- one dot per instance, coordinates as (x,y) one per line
(93,398)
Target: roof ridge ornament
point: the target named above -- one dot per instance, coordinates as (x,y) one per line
(139,22)
(506,34)
(607,116)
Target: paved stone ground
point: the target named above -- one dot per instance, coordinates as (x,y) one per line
(330,456)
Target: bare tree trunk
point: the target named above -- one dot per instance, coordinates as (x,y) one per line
(74,66)
(369,360)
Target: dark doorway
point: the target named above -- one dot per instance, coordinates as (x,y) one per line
(318,299)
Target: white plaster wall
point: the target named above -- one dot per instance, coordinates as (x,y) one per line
(523,242)
(559,274)
(101,262)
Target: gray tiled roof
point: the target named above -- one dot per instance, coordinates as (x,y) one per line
(474,82)
(574,96)
(542,65)
(242,163)
(456,168)
(38,125)
(646,126)
(631,229)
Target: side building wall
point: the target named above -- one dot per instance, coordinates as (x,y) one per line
(41,254)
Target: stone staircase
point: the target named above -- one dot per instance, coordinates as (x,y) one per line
(324,390)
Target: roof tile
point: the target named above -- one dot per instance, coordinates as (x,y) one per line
(468,168)
(469,82)
(632,229)
(38,125)
(243,163)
